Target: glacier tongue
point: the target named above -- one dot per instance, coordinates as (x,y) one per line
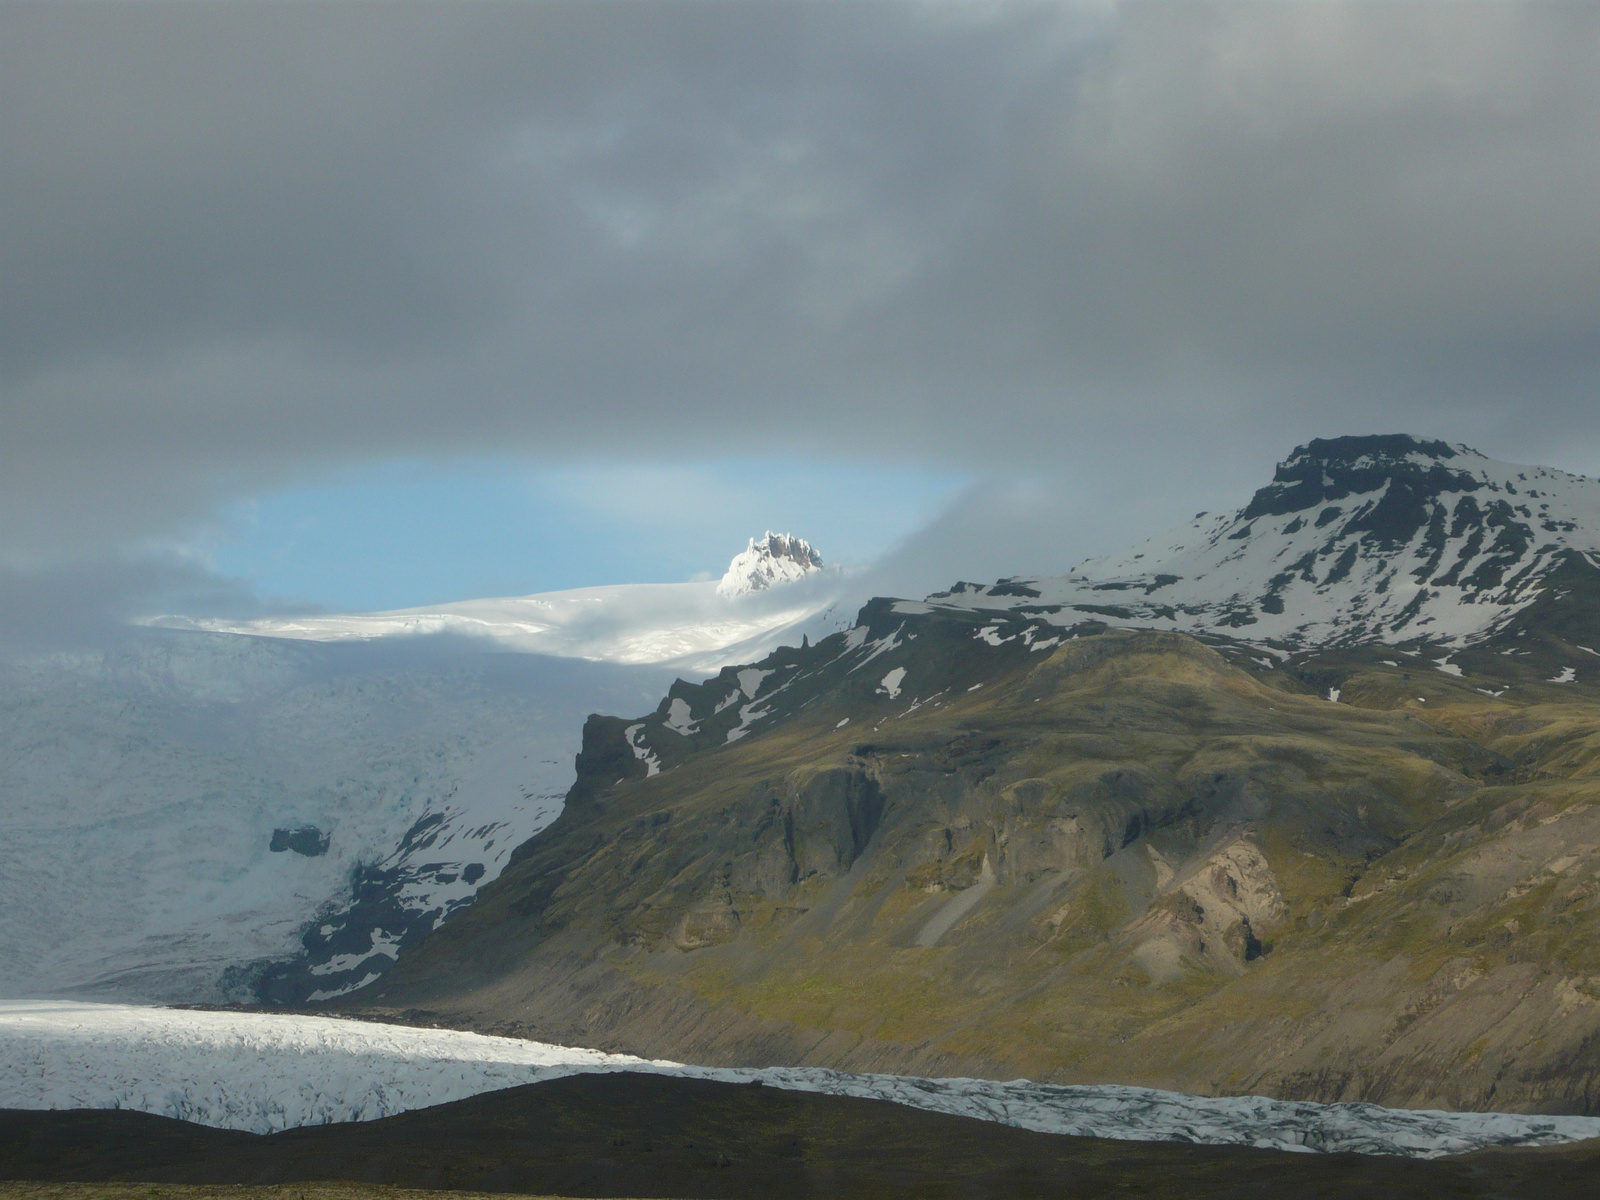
(264,1072)
(198,815)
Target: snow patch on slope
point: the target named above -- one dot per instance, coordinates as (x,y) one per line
(890,683)
(642,752)
(679,719)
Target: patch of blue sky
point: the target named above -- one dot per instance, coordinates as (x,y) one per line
(402,534)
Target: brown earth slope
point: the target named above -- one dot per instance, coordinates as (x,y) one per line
(1129,858)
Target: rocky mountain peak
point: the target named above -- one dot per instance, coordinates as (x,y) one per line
(1392,448)
(768,561)
(1328,470)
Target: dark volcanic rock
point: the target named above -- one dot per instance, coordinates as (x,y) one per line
(303,839)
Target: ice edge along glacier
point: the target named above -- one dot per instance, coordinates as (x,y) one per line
(264,1072)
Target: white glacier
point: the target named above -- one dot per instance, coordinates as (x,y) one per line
(143,786)
(144,783)
(768,597)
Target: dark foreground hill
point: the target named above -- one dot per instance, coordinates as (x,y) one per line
(646,1135)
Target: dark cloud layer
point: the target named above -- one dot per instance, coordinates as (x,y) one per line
(71,605)
(1138,249)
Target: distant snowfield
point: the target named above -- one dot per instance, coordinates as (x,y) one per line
(264,1072)
(692,626)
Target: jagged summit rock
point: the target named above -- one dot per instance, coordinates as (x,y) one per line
(768,561)
(1407,469)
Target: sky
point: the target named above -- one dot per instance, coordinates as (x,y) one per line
(971,287)
(413,533)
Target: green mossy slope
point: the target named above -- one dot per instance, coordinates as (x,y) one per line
(1128,858)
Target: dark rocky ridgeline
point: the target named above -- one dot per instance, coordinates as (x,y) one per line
(1464,528)
(1376,494)
(1330,471)
(939,656)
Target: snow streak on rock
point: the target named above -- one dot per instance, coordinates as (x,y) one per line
(265,1072)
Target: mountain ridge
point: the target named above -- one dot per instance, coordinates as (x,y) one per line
(1381,538)
(990,833)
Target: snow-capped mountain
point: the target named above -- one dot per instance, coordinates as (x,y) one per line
(774,560)
(776,589)
(297,804)
(1356,539)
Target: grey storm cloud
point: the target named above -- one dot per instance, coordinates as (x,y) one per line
(1152,245)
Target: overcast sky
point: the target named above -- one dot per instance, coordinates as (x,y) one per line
(1081,269)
